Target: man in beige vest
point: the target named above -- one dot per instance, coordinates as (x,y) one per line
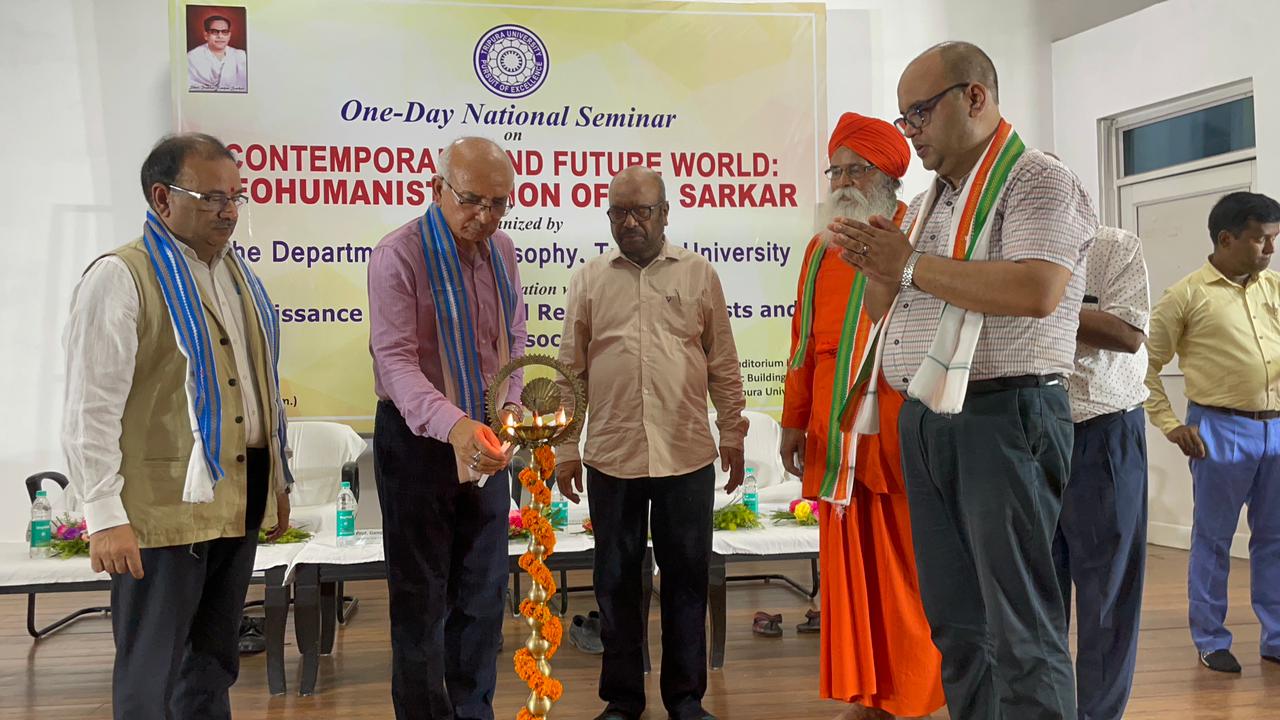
(174,433)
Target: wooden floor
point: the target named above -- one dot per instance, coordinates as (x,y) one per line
(69,674)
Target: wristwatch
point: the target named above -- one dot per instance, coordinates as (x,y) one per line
(909,270)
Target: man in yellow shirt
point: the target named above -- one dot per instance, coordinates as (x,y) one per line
(1223,321)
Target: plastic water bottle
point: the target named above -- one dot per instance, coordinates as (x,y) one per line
(41,526)
(559,509)
(751,491)
(346,516)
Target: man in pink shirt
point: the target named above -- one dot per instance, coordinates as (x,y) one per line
(446,312)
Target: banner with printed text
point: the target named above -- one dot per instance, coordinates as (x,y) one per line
(338,110)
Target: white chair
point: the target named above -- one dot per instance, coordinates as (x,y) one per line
(760,451)
(323,455)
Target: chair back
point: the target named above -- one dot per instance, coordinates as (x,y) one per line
(319,452)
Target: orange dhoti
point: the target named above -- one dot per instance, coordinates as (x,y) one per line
(876,645)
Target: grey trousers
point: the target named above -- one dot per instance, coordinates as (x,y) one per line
(177,630)
(985,489)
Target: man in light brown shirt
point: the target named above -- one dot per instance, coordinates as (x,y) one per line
(647,328)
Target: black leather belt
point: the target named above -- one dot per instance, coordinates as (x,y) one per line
(1251,414)
(1016,382)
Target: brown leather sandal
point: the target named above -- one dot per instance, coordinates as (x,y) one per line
(812,622)
(766,625)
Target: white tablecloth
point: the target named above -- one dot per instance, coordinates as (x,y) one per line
(784,539)
(323,549)
(16,568)
(769,540)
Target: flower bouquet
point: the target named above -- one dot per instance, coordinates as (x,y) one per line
(70,537)
(734,516)
(800,512)
(292,535)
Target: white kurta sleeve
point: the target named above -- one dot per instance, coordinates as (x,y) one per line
(101,342)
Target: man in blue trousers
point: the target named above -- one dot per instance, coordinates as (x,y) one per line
(1101,543)
(1223,320)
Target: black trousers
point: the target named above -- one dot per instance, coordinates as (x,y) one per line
(1102,547)
(446,550)
(985,489)
(678,510)
(177,630)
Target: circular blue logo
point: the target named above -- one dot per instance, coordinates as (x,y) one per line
(511,61)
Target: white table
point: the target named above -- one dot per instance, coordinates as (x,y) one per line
(769,543)
(320,569)
(322,565)
(20,574)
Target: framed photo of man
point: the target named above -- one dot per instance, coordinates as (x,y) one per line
(217,49)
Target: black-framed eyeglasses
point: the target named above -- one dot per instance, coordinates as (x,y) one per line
(917,116)
(618,215)
(216,31)
(835,172)
(213,202)
(495,209)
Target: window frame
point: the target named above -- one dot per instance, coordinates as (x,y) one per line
(1111,141)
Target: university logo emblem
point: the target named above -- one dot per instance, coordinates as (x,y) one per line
(511,61)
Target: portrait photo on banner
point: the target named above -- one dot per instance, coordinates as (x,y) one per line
(217,49)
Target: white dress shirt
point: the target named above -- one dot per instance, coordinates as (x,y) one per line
(206,71)
(101,342)
(1106,381)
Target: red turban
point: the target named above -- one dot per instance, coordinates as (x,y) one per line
(876,140)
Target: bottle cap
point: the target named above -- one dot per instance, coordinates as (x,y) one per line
(346,485)
(41,493)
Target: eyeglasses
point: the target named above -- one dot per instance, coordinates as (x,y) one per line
(835,172)
(214,202)
(917,116)
(216,31)
(495,209)
(618,215)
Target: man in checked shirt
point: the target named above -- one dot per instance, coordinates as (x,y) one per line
(985,333)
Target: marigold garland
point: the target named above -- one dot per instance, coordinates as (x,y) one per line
(534,479)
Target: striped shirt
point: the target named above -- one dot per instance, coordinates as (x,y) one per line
(1043,214)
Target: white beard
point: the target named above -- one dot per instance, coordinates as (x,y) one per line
(849,202)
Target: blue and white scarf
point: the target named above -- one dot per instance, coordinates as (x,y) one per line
(455,324)
(186,312)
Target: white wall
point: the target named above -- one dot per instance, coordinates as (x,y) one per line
(85,95)
(1017,34)
(1165,51)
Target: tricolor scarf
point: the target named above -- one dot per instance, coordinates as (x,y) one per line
(836,480)
(186,312)
(455,320)
(943,377)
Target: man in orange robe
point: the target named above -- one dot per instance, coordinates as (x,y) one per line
(876,652)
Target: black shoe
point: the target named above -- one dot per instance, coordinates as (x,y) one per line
(613,715)
(1220,661)
(1272,658)
(252,638)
